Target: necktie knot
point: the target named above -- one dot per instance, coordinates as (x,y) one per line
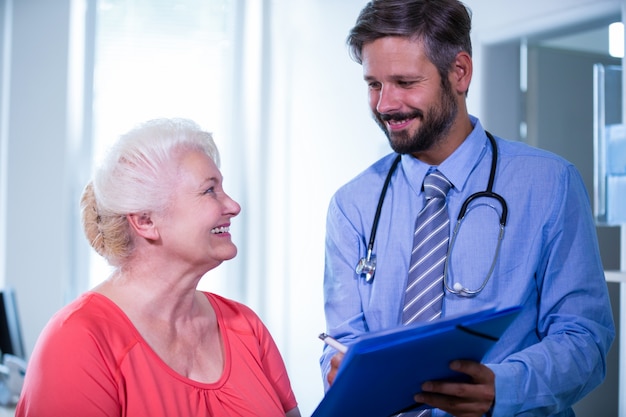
(436,185)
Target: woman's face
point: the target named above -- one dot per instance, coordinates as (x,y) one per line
(195,228)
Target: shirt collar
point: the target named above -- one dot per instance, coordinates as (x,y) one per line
(458,166)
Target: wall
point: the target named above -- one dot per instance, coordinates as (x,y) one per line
(38,215)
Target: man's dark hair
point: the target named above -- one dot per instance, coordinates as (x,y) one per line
(443,25)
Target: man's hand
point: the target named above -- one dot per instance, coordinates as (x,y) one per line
(461,399)
(335,362)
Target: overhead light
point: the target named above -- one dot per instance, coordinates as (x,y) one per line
(616,39)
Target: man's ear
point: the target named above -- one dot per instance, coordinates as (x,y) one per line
(143,225)
(461,74)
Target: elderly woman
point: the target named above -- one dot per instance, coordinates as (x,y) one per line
(145,342)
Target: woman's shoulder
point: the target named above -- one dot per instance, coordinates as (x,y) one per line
(235,315)
(229,307)
(91,319)
(88,308)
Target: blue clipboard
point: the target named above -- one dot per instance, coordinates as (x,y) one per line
(382,371)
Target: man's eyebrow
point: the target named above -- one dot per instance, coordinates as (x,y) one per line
(404,77)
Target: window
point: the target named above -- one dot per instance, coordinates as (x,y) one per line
(160,58)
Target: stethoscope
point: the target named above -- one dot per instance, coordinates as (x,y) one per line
(367,265)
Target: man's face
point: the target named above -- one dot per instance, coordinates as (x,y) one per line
(406,95)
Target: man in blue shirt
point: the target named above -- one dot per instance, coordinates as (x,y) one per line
(417,64)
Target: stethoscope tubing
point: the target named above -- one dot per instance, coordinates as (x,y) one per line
(367,265)
(381,200)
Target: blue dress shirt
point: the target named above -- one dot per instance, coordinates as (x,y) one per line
(549,262)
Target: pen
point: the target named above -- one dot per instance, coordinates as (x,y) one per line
(332,342)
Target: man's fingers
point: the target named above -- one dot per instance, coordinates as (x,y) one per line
(335,362)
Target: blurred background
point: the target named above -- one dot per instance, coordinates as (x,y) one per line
(273,81)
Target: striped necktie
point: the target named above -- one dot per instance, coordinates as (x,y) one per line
(424,291)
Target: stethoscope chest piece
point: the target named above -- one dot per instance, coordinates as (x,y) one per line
(367,266)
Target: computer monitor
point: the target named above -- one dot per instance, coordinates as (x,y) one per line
(11,341)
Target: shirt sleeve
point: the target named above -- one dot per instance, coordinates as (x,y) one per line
(274,366)
(574,321)
(87,388)
(344,315)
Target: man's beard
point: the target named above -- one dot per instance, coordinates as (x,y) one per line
(438,120)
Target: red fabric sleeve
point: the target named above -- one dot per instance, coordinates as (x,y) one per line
(55,389)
